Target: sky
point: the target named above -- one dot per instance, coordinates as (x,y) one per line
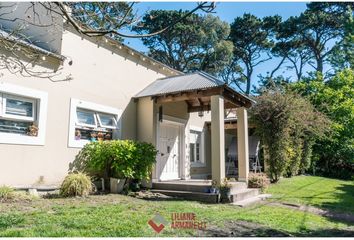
(227,11)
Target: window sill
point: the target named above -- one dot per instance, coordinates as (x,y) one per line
(10,138)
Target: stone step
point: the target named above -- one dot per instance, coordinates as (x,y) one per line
(188,195)
(194,186)
(252,200)
(244,194)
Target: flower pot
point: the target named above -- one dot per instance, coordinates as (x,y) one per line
(117,185)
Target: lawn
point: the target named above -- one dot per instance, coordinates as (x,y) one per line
(118,215)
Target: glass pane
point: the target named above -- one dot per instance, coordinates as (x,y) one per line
(85,117)
(14,127)
(107,120)
(19,108)
(197,152)
(191,152)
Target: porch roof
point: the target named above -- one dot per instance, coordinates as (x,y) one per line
(195,89)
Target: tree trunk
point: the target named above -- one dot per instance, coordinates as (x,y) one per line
(319,62)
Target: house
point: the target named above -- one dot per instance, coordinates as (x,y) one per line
(115,91)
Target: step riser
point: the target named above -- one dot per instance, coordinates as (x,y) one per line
(180,187)
(244,195)
(190,196)
(194,188)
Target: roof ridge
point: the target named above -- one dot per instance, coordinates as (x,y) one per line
(211,77)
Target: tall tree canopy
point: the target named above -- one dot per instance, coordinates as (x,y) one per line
(251,38)
(195,43)
(314,33)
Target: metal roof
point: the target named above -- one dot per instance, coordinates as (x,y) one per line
(175,84)
(12,38)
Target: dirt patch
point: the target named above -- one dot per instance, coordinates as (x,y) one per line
(346,217)
(241,229)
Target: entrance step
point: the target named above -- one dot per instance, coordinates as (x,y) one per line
(188,195)
(194,186)
(244,194)
(252,200)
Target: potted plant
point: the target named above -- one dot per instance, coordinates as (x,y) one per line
(213,188)
(225,191)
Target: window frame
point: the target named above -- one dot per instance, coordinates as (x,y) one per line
(97,108)
(6,96)
(40,99)
(77,123)
(106,126)
(201,162)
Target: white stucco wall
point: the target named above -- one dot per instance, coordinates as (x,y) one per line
(104,76)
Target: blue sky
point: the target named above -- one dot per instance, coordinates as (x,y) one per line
(228,11)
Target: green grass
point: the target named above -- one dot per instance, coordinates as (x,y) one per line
(122,216)
(325,193)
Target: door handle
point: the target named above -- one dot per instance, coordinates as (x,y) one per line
(162,154)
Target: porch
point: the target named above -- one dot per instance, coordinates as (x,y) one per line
(163,119)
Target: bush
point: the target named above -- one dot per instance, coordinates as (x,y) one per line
(6,194)
(76,184)
(116,158)
(258,180)
(287,124)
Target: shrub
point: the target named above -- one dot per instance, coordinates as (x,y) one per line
(258,180)
(6,194)
(116,158)
(287,123)
(76,184)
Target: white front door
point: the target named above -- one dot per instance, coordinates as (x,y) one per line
(169,151)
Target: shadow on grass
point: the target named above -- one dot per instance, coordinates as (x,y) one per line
(241,229)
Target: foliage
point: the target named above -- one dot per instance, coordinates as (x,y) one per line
(103,16)
(76,184)
(285,122)
(251,38)
(116,158)
(313,32)
(6,193)
(258,180)
(335,98)
(197,43)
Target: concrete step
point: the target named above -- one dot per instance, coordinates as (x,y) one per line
(195,186)
(180,187)
(188,195)
(251,200)
(244,194)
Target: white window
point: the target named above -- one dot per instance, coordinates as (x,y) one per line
(196,149)
(22,115)
(92,122)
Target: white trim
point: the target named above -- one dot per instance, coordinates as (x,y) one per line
(76,103)
(202,162)
(106,126)
(42,102)
(85,124)
(6,96)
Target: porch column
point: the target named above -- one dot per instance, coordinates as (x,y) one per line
(217,138)
(242,144)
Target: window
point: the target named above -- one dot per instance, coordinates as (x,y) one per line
(85,118)
(92,122)
(195,148)
(22,115)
